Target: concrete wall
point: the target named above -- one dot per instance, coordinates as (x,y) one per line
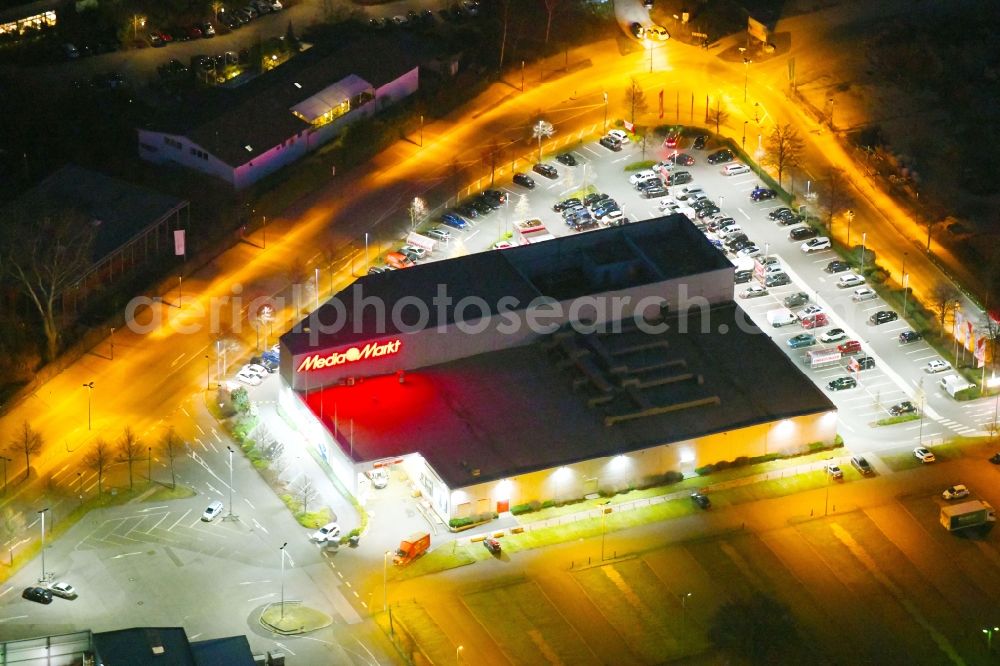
(153,147)
(291,150)
(615,472)
(401,88)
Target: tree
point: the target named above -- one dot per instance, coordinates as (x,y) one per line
(44,255)
(784,149)
(11,523)
(943,294)
(171,446)
(291,40)
(550,9)
(834,195)
(27,441)
(98,460)
(418,211)
(758,629)
(717,116)
(241,400)
(307,493)
(129,450)
(492,155)
(635,99)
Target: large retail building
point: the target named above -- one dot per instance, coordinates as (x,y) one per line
(591,362)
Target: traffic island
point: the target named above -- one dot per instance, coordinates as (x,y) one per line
(295,619)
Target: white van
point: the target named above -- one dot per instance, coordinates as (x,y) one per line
(643,177)
(735,169)
(781,317)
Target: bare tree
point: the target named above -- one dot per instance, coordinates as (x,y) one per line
(492,155)
(942,295)
(44,256)
(550,9)
(11,523)
(27,441)
(834,195)
(170,444)
(129,450)
(635,98)
(98,461)
(717,116)
(307,493)
(784,149)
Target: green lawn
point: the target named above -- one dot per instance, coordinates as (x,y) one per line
(955,448)
(425,632)
(634,601)
(526,625)
(164,493)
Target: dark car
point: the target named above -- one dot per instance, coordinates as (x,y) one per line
(795,300)
(859,463)
(906,337)
(865,362)
(242,15)
(229,20)
(566,203)
(484,206)
(841,383)
(611,143)
(883,317)
(995,459)
(637,30)
(156,39)
(195,32)
(681,158)
(680,178)
(38,594)
(802,233)
(567,159)
(739,277)
(495,195)
(546,170)
(777,280)
(708,211)
(454,221)
(468,210)
(654,192)
(584,223)
(762,194)
(905,407)
(721,156)
(524,180)
(701,500)
(735,239)
(492,545)
(700,141)
(594,197)
(837,266)
(779,212)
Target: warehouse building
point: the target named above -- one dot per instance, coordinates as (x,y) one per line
(592,362)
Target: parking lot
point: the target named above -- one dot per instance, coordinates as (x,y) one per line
(899,371)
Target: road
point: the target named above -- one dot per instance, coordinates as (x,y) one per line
(167,368)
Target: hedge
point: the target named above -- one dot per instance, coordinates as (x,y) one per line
(743,461)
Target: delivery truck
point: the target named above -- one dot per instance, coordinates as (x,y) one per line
(973,513)
(411,548)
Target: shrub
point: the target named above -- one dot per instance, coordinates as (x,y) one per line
(548,504)
(460,522)
(241,400)
(723,464)
(639,166)
(605,491)
(259,464)
(741,461)
(673,476)
(519,509)
(705,470)
(838,441)
(970,393)
(242,428)
(575,500)
(535,505)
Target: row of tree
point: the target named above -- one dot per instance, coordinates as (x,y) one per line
(128,449)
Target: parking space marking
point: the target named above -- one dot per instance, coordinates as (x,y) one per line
(179,520)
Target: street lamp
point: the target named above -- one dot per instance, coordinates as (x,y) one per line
(649,44)
(831,101)
(989,637)
(112,343)
(746,76)
(42,513)
(542,129)
(458,654)
(864,241)
(316,282)
(850,218)
(684,599)
(605,510)
(90,389)
(208,371)
(906,291)
(605,112)
(231,515)
(385,589)
(137,22)
(283,554)
(744,144)
(79,478)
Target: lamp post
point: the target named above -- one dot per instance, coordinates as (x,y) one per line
(112,343)
(137,22)
(826,502)
(522,76)
(906,291)
(90,389)
(831,101)
(746,76)
(149,464)
(421,131)
(42,513)
(649,43)
(385,579)
(208,372)
(231,515)
(605,112)
(744,144)
(458,654)
(684,599)
(989,637)
(850,218)
(604,513)
(79,478)
(282,549)
(263,231)
(542,129)
(864,241)
(180,291)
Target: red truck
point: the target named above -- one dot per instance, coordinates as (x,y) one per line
(411,547)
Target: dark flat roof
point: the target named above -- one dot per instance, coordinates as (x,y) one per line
(525,409)
(128,647)
(124,210)
(567,267)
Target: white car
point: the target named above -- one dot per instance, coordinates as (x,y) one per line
(753,291)
(735,169)
(379,477)
(66,591)
(657,32)
(502,245)
(256,369)
(645,174)
(834,471)
(749,252)
(863,294)
(957,491)
(833,335)
(816,244)
(730,229)
(850,280)
(325,533)
(923,454)
(620,135)
(418,252)
(213,510)
(247,377)
(937,365)
(810,311)
(439,234)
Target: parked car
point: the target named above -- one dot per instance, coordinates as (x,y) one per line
(721,156)
(777,280)
(207,30)
(842,383)
(739,277)
(454,221)
(815,321)
(735,169)
(957,491)
(802,233)
(778,213)
(816,245)
(834,471)
(849,280)
(212,511)
(594,197)
(546,170)
(850,347)
(700,141)
(326,533)
(621,135)
(937,365)
(995,458)
(837,266)
(762,194)
(862,465)
(753,291)
(680,178)
(864,294)
(865,362)
(566,159)
(524,180)
(637,30)
(907,337)
(37,594)
(883,317)
(565,204)
(701,500)
(833,335)
(797,299)
(244,376)
(63,589)
(493,545)
(905,407)
(611,143)
(657,32)
(802,340)
(438,234)
(683,159)
(923,454)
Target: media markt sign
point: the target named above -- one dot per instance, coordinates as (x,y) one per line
(351,355)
